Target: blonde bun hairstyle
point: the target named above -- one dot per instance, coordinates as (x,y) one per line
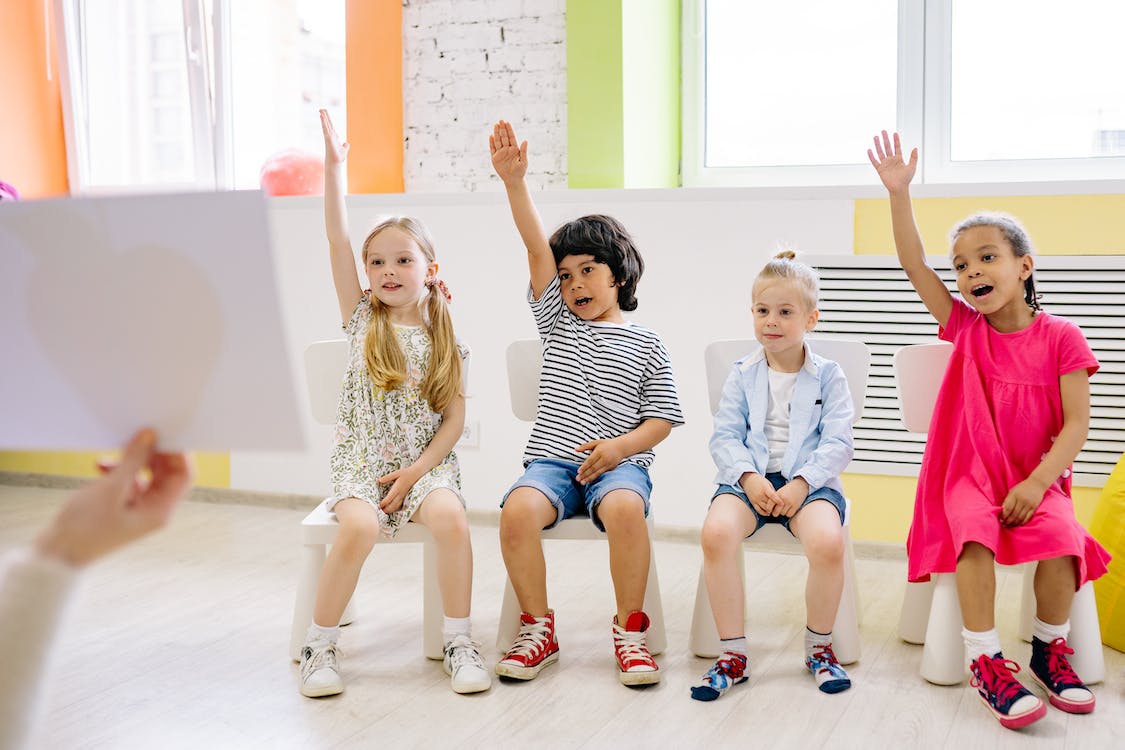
(785,267)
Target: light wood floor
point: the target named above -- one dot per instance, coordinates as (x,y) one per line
(180,642)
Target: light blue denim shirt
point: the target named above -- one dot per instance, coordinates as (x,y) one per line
(820,423)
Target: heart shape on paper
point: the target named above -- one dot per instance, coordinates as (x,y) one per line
(137,334)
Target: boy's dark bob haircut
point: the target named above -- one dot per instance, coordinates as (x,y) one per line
(604,238)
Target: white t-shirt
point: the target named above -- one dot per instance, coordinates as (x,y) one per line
(777,416)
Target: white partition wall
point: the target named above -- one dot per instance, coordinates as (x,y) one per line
(702,249)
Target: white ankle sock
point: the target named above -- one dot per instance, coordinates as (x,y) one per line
(734,645)
(986,642)
(1047,632)
(321,633)
(813,640)
(455,626)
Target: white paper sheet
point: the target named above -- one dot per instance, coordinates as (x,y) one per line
(158,310)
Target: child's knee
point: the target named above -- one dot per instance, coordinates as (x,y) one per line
(718,538)
(524,514)
(620,507)
(825,547)
(358,532)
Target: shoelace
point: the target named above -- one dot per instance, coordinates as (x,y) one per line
(464,651)
(631,644)
(320,658)
(827,658)
(531,638)
(1058,667)
(998,677)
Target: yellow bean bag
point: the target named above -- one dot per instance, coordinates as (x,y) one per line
(1108,527)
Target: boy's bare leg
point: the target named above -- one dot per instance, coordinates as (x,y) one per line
(622,512)
(524,515)
(728,523)
(817,526)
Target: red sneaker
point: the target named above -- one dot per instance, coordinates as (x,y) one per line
(534,648)
(629,646)
(1008,700)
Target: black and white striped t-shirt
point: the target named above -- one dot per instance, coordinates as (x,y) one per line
(599,381)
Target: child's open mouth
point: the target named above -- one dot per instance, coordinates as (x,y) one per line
(582,301)
(981,290)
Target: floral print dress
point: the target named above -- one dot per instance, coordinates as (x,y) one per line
(379,431)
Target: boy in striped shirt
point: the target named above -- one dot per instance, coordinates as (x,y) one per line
(606,398)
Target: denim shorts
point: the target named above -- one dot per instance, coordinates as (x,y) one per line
(557,479)
(778,481)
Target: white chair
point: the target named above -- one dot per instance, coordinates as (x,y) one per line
(854,358)
(325,364)
(525,359)
(931,612)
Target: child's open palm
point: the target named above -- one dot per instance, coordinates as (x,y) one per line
(895,172)
(509,157)
(335,150)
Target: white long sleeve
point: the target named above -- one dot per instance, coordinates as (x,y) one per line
(34,592)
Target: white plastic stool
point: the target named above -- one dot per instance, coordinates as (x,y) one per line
(845,630)
(931,612)
(943,650)
(318,530)
(580,528)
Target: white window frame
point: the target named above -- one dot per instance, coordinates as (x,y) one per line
(924,103)
(210,106)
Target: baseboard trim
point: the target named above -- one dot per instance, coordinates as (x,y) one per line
(864,550)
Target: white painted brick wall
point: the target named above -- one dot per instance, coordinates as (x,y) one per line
(468,63)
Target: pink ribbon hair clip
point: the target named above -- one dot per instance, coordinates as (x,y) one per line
(441,288)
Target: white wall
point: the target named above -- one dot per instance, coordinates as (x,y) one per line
(702,248)
(468,63)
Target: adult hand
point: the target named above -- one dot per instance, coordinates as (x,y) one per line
(121,506)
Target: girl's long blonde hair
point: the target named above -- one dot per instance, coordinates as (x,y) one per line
(386,362)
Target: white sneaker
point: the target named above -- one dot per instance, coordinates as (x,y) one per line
(320,670)
(465,667)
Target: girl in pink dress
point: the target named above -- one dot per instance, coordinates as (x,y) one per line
(1012,414)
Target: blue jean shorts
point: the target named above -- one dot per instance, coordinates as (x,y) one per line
(778,481)
(557,479)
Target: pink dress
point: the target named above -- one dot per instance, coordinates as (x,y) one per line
(996,414)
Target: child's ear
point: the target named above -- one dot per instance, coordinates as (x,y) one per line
(814,316)
(1026,266)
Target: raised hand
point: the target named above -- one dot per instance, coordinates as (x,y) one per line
(335,150)
(895,172)
(509,157)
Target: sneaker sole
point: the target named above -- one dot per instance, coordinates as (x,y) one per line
(1071,707)
(525,673)
(321,692)
(633,679)
(476,687)
(1016,722)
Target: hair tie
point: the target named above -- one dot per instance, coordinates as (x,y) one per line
(441,288)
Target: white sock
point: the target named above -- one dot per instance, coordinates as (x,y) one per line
(454,626)
(734,645)
(1046,632)
(321,633)
(814,640)
(986,642)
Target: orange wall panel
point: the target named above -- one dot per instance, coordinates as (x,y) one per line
(32,144)
(374,98)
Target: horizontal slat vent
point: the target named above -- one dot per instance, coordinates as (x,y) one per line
(869,298)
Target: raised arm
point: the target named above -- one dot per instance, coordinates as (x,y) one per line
(896,174)
(509,159)
(348,290)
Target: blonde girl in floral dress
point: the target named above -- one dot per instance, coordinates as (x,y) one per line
(401,410)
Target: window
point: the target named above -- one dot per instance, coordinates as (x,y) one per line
(993,90)
(194,94)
